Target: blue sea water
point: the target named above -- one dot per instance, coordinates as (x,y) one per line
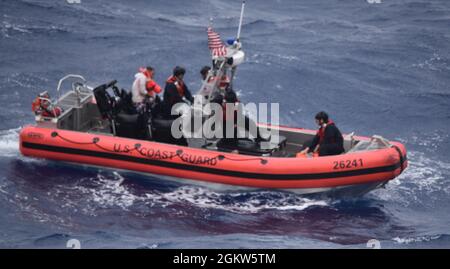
(377,68)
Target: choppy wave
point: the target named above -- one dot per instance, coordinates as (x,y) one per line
(375,68)
(38,4)
(21,80)
(435,63)
(6,29)
(10,29)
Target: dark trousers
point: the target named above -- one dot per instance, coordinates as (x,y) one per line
(325,149)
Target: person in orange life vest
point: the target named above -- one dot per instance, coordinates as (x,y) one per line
(328,140)
(42,106)
(176,91)
(144,88)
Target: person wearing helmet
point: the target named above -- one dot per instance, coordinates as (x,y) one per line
(176,91)
(328,140)
(144,88)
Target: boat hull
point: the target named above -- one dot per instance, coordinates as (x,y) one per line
(360,170)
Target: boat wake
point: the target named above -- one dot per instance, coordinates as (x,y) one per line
(424,181)
(9,146)
(9,143)
(113,191)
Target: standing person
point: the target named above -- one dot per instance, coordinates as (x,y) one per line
(176,91)
(328,140)
(144,88)
(204,71)
(226,95)
(206,88)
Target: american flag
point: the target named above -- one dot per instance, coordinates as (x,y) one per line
(215,44)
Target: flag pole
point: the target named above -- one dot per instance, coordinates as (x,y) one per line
(238,36)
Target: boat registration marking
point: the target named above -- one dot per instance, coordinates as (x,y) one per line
(354,163)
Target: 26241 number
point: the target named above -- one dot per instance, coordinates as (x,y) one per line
(347,164)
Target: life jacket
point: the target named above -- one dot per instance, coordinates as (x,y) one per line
(36,105)
(178,83)
(151,86)
(223,82)
(321,131)
(40,109)
(55,112)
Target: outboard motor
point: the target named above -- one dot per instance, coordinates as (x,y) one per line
(105,103)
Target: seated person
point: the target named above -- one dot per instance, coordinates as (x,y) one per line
(328,140)
(43,106)
(144,89)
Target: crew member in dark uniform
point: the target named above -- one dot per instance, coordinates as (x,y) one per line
(175,92)
(328,140)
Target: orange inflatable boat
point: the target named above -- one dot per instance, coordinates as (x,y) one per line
(84,134)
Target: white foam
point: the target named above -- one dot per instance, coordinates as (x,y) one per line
(112,192)
(434,63)
(6,27)
(9,142)
(204,198)
(424,175)
(430,140)
(267,58)
(418,239)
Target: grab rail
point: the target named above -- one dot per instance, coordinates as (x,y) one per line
(67,77)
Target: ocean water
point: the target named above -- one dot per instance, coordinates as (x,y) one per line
(377,68)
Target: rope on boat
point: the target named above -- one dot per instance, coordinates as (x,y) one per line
(263,161)
(179,153)
(94,141)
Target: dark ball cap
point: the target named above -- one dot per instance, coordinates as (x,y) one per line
(205,69)
(322,116)
(178,70)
